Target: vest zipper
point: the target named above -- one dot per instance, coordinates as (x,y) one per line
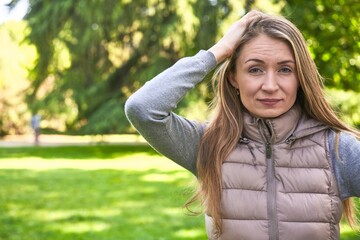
(267,132)
(271,198)
(268,150)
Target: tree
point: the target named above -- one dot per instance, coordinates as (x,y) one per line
(333,33)
(94,53)
(15,57)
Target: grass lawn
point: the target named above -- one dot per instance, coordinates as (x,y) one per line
(103,192)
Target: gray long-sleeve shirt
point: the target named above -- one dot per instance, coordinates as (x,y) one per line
(150,111)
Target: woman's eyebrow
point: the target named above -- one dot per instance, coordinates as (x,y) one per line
(254,60)
(261,61)
(286,61)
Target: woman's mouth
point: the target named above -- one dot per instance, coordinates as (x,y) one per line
(269,101)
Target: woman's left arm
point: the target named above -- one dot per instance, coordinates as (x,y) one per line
(347,164)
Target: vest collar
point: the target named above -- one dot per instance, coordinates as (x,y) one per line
(292,125)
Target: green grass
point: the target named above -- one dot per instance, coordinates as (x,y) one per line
(101,192)
(93,192)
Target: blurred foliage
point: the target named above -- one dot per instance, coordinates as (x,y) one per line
(332,30)
(15,57)
(346,104)
(92,54)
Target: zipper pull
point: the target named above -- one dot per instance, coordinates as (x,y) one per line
(268,150)
(244,140)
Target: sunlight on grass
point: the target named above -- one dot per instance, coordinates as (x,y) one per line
(164,177)
(100,194)
(172,211)
(49,139)
(132,204)
(157,178)
(80,227)
(49,216)
(346,228)
(136,162)
(189,233)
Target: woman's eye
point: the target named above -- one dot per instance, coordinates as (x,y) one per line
(254,70)
(285,69)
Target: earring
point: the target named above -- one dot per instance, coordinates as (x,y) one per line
(237,92)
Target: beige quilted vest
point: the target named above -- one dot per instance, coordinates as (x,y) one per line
(278,183)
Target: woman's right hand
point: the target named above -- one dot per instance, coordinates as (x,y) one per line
(231,39)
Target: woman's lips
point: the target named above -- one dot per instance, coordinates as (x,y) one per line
(269,101)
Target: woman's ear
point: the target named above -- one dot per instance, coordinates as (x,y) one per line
(231,79)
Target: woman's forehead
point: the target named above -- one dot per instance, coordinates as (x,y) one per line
(265,48)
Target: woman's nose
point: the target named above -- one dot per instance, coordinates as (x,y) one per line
(270,83)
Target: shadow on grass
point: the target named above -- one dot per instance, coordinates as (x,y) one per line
(102,204)
(76,152)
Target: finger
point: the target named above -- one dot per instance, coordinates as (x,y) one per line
(250,16)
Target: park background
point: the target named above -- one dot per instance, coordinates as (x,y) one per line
(76,62)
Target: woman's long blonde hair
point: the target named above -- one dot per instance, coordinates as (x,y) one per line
(225,128)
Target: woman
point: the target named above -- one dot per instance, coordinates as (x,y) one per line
(274,162)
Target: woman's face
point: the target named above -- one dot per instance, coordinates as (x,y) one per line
(266,77)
